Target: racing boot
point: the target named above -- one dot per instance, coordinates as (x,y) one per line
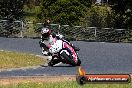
(53,62)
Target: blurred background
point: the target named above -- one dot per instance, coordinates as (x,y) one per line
(89,20)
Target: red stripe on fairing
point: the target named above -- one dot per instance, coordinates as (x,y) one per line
(65,45)
(50,46)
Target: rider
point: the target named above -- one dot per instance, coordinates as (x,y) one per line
(48,37)
(46,40)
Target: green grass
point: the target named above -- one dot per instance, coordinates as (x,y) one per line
(16,60)
(71,84)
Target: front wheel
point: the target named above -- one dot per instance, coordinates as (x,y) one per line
(68,59)
(78,62)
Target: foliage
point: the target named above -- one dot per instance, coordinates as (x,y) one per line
(122,10)
(63,11)
(114,14)
(97,16)
(11,10)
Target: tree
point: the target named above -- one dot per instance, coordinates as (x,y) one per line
(122,10)
(63,11)
(11,10)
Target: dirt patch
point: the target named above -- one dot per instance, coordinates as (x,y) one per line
(35,79)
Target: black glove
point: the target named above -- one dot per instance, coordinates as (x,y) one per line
(53,35)
(42,44)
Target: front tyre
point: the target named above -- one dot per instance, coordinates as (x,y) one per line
(68,59)
(78,62)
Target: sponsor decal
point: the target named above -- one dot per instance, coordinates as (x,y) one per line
(83,78)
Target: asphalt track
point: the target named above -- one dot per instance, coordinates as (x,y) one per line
(96,57)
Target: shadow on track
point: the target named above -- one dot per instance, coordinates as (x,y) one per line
(57,66)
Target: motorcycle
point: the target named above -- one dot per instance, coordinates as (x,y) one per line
(61,51)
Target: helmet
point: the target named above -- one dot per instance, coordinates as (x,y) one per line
(45,32)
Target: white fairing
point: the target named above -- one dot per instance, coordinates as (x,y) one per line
(44,30)
(60,36)
(65,52)
(56,47)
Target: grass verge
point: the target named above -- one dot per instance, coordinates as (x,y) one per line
(70,84)
(17,60)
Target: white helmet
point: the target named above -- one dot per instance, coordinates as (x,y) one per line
(45,32)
